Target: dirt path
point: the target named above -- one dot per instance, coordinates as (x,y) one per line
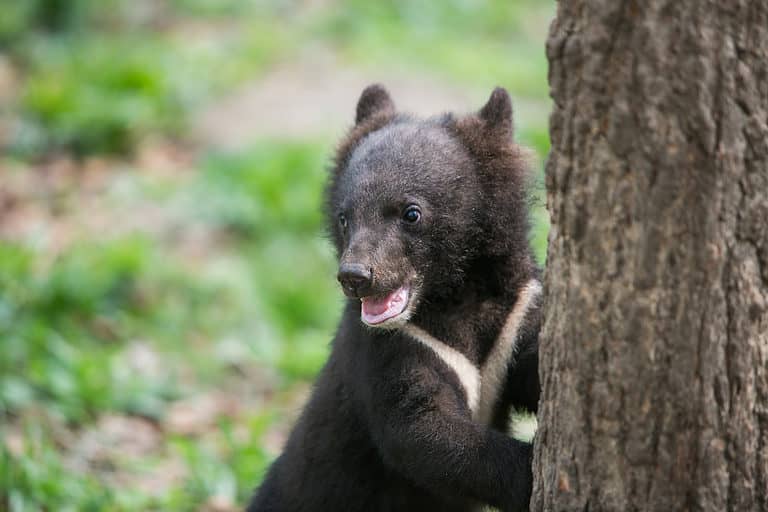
(310,96)
(314,95)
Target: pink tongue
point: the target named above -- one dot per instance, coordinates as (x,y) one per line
(373,306)
(376,310)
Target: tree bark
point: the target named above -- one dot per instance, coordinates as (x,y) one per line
(654,348)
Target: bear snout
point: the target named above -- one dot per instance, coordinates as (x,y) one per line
(355,278)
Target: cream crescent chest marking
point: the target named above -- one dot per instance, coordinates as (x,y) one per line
(483,385)
(494,371)
(468,374)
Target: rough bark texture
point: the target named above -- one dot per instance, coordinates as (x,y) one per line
(655,341)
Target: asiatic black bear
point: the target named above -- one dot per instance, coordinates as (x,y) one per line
(439,337)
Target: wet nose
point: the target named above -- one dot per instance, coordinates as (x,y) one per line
(355,278)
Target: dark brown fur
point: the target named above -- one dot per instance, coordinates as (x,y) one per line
(388,426)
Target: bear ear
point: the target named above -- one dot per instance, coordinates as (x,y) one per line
(375,99)
(497,112)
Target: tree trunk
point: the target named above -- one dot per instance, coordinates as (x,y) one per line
(654,349)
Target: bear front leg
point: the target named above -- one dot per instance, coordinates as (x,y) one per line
(423,430)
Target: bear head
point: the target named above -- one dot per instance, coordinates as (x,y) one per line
(419,208)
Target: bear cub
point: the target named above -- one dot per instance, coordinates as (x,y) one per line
(438,340)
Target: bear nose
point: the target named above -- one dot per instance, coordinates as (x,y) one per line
(355,278)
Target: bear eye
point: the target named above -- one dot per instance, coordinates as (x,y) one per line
(412,214)
(343,221)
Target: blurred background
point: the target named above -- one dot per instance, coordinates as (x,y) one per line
(166,293)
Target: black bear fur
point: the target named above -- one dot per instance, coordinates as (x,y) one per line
(390,424)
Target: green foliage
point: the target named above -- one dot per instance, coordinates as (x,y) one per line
(60,322)
(252,311)
(535,137)
(100,95)
(270,198)
(20,18)
(40,478)
(228,473)
(271,189)
(489,42)
(268,294)
(212,8)
(98,77)
(17,17)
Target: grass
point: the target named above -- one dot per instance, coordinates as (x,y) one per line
(99,79)
(68,326)
(157,367)
(264,300)
(487,42)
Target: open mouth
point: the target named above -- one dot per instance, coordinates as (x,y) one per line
(378,309)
